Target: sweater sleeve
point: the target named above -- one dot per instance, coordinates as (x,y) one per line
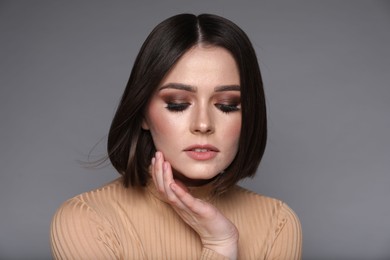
(78,232)
(288,236)
(208,254)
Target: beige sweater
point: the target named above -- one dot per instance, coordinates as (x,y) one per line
(113,222)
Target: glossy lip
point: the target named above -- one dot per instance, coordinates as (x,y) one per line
(201,156)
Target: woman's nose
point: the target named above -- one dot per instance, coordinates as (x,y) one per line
(203,122)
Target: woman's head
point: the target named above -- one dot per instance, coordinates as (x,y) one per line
(130,142)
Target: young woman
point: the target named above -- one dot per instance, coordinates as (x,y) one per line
(190,125)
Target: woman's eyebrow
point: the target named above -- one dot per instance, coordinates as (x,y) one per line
(179,86)
(227,88)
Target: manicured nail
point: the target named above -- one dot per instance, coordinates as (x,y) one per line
(153,160)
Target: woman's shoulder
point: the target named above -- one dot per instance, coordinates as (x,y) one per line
(250,201)
(242,194)
(106,192)
(266,224)
(103,199)
(262,215)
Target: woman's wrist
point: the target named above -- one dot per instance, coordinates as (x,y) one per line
(226,247)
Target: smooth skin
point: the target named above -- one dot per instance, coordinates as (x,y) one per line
(198,102)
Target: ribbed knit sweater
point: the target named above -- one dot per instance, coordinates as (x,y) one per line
(114,222)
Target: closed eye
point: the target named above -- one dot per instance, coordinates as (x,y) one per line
(228,108)
(177,107)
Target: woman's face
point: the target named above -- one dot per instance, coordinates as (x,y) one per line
(194,116)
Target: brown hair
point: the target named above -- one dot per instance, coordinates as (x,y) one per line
(130,148)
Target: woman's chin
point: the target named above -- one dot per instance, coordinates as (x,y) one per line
(191,181)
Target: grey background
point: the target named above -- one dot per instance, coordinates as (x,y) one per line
(326,69)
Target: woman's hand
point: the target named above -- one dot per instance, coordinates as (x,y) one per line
(216,231)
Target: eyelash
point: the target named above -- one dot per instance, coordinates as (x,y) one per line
(177,107)
(227,108)
(180,107)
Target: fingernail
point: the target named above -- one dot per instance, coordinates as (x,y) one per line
(157,155)
(153,160)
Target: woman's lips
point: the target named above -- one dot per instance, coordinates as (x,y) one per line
(201,152)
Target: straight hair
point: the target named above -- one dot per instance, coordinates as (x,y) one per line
(130,148)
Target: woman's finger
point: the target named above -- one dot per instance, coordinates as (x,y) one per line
(151,167)
(168,180)
(158,172)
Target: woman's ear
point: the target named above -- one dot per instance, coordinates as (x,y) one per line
(144,125)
